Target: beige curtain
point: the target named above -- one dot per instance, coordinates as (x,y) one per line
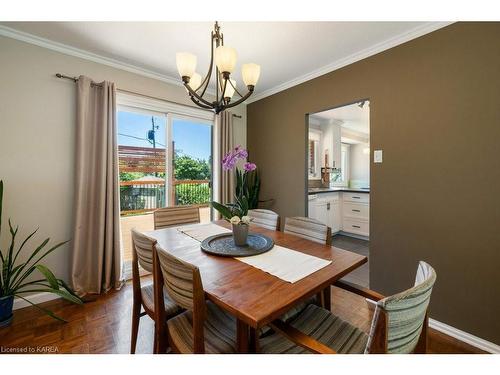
(96,263)
(226,183)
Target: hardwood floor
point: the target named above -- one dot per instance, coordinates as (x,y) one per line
(103,326)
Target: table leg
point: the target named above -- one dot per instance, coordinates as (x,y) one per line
(242,336)
(253,342)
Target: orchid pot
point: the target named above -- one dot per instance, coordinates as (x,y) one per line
(240,234)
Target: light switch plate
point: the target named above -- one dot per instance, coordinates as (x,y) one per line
(377,156)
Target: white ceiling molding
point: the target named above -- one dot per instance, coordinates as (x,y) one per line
(363,54)
(83,54)
(72,51)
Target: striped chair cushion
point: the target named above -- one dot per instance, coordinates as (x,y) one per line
(307,228)
(179,215)
(220,331)
(406,312)
(324,327)
(264,218)
(289,315)
(147,294)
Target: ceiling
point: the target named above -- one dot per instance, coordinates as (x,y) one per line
(288,52)
(352,117)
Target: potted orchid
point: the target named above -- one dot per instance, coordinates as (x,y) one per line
(237,213)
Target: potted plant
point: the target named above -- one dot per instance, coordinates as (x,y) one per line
(14,274)
(237,213)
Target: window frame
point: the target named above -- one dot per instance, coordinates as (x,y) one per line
(169,110)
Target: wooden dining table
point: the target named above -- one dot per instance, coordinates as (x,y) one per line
(253,296)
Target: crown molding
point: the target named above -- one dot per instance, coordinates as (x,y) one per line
(363,54)
(86,55)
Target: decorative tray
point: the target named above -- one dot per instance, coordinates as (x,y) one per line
(223,245)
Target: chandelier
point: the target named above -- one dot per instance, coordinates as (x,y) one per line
(225,87)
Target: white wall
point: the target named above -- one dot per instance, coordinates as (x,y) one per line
(37,119)
(359,165)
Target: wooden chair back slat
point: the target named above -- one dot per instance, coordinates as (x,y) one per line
(309,229)
(183,283)
(265,218)
(142,248)
(173,216)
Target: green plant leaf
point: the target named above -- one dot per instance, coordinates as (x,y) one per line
(39,282)
(244,206)
(37,261)
(66,286)
(37,250)
(7,267)
(225,211)
(48,312)
(48,275)
(24,243)
(59,292)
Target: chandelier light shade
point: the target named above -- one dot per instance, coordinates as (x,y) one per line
(230,89)
(195,81)
(225,59)
(250,73)
(222,62)
(186,64)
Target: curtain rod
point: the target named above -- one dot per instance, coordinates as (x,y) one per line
(75,79)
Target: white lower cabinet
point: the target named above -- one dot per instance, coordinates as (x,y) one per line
(342,211)
(354,226)
(326,209)
(356,213)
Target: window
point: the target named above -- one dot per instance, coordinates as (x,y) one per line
(344,165)
(165,159)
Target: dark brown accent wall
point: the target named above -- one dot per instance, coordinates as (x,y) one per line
(435,112)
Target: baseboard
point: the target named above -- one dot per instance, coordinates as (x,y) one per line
(472,340)
(19,303)
(475,341)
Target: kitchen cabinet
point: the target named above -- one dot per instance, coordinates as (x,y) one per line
(356,213)
(326,209)
(348,212)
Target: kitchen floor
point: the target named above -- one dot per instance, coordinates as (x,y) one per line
(361,275)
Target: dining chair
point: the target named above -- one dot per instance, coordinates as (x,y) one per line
(146,296)
(399,324)
(203,327)
(310,229)
(178,215)
(265,218)
(313,230)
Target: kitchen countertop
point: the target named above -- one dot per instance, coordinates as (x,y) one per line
(337,189)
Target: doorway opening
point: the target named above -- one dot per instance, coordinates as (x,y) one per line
(338,177)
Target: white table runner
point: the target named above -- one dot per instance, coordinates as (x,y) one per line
(286,264)
(201,231)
